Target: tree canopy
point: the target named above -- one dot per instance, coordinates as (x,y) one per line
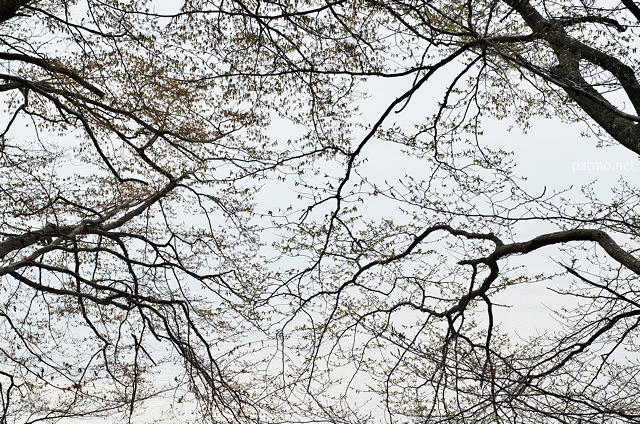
(195,209)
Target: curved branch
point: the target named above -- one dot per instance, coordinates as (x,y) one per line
(603,239)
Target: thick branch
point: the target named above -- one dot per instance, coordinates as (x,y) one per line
(569,52)
(9,8)
(49,66)
(598,236)
(87,226)
(633,8)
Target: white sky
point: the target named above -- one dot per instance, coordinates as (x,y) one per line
(551,155)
